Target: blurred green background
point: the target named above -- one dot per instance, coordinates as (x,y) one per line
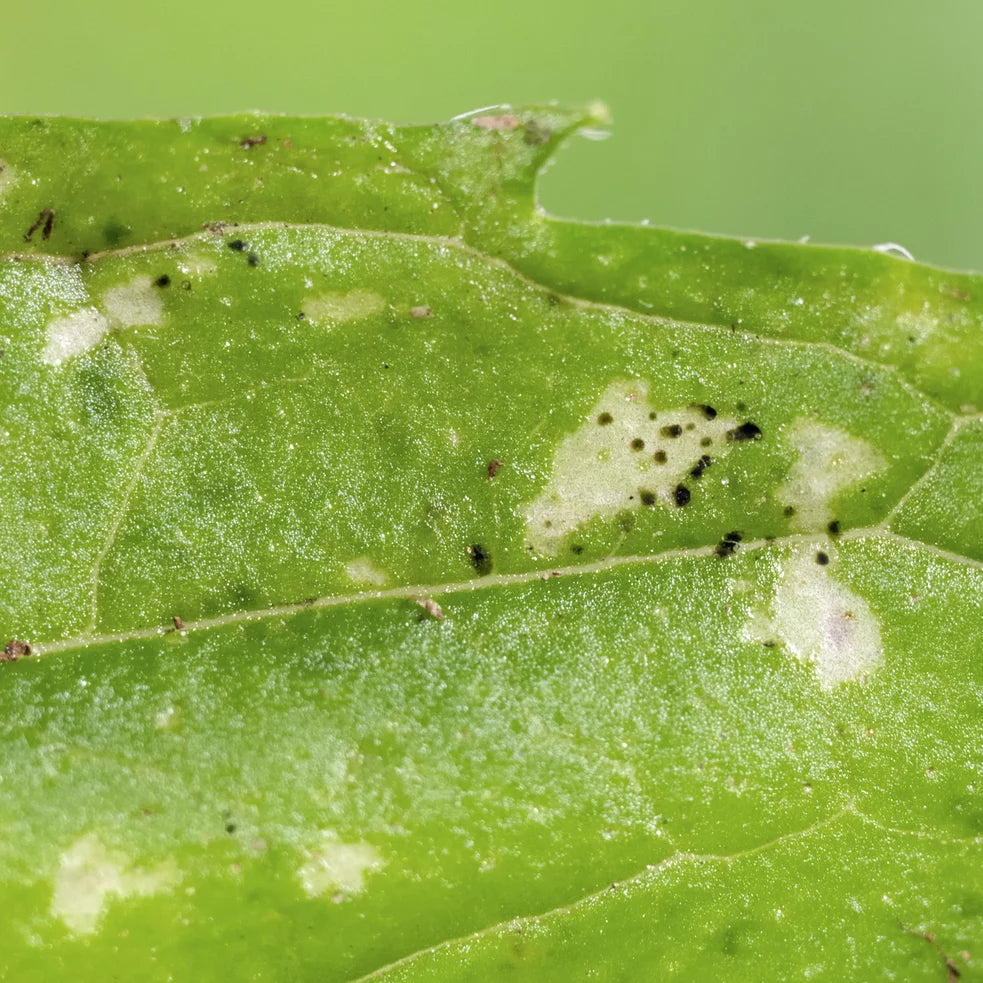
(853,121)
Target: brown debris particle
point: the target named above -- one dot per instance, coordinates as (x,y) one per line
(421,310)
(14,649)
(431,607)
(178,623)
(507,122)
(493,467)
(45,222)
(256,141)
(952,970)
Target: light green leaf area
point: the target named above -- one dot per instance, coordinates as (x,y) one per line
(422,588)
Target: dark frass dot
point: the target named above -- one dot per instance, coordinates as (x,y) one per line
(725,547)
(252,259)
(604,419)
(706,441)
(660,457)
(647,497)
(834,528)
(652,415)
(701,465)
(822,558)
(237,245)
(746,431)
(162,281)
(577,549)
(671,430)
(682,495)
(788,511)
(480,559)
(230,827)
(637,444)
(708,411)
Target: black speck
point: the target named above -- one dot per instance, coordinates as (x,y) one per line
(726,547)
(682,495)
(162,281)
(230,827)
(647,497)
(746,431)
(637,444)
(652,415)
(671,430)
(480,559)
(237,245)
(708,411)
(822,558)
(733,537)
(788,511)
(834,528)
(252,259)
(604,419)
(660,457)
(706,441)
(576,549)
(701,465)
(769,644)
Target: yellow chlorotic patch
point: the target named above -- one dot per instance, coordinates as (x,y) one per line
(8,178)
(339,308)
(627,454)
(820,621)
(90,876)
(134,304)
(363,571)
(828,462)
(73,334)
(337,868)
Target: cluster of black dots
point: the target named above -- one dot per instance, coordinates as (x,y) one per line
(682,494)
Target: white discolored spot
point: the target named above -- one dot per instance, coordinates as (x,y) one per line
(627,454)
(90,876)
(134,304)
(338,868)
(820,621)
(197,265)
(363,571)
(338,308)
(73,334)
(8,178)
(828,462)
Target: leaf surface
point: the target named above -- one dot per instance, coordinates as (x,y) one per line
(420,587)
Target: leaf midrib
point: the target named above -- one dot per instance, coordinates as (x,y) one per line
(412,592)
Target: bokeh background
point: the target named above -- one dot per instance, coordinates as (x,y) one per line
(853,121)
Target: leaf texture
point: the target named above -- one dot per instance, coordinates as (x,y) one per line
(420,587)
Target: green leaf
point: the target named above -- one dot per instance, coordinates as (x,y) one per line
(419,587)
